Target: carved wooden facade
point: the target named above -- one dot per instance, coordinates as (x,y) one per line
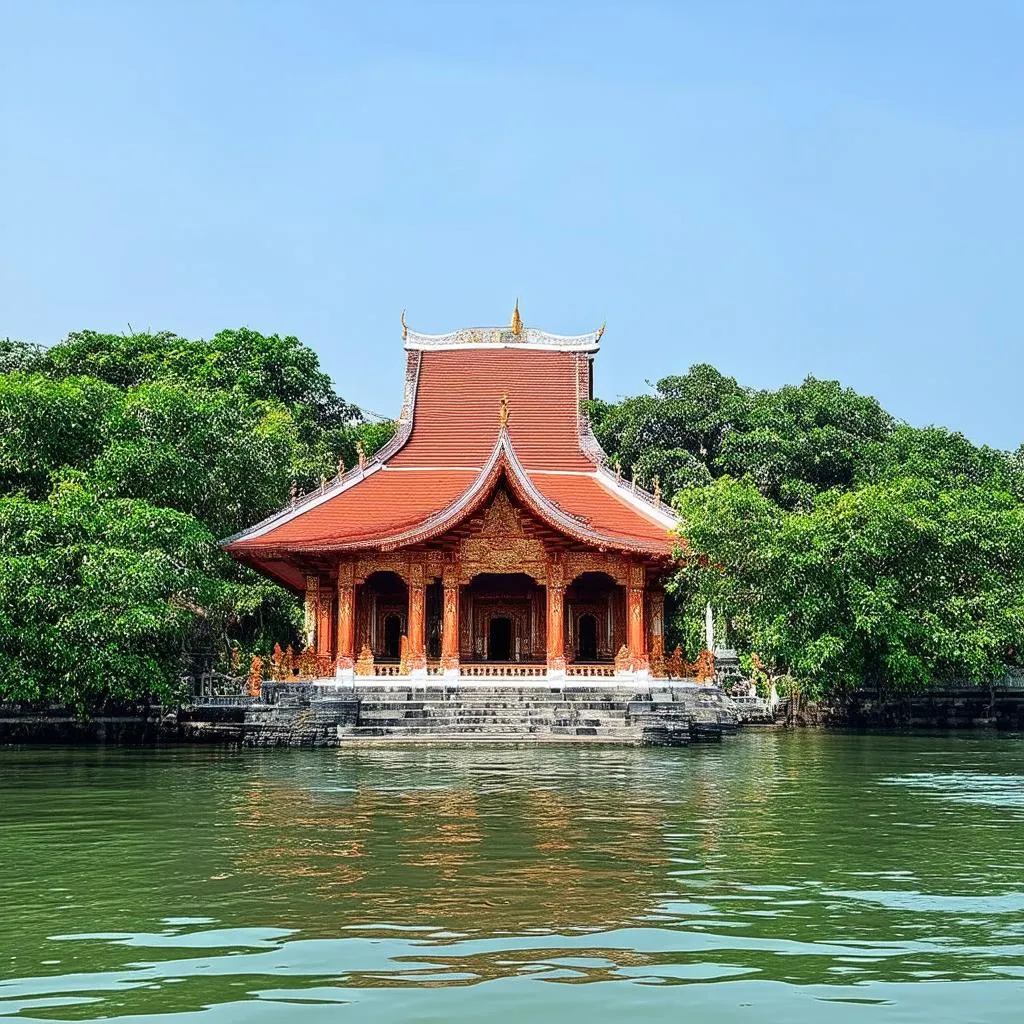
(562,603)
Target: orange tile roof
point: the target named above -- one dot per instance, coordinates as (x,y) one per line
(457,400)
(605,512)
(453,446)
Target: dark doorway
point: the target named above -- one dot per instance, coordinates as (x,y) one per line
(586,638)
(392,636)
(499,640)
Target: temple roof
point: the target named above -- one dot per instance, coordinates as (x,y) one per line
(479,410)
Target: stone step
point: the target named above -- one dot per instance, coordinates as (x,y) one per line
(618,706)
(446,710)
(517,723)
(506,732)
(453,731)
(521,738)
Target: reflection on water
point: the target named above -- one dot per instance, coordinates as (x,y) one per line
(872,878)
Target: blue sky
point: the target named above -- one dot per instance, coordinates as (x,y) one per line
(779,188)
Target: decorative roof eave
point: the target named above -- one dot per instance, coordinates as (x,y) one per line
(503,337)
(503,459)
(632,493)
(343,481)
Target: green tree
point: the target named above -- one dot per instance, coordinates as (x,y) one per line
(122,459)
(46,424)
(798,441)
(895,584)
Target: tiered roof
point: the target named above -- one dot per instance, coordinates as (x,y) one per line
(482,406)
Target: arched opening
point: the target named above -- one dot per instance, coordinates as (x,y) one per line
(502,619)
(392,636)
(499,639)
(596,617)
(586,638)
(382,609)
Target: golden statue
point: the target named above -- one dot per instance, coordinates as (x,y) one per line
(517,321)
(503,411)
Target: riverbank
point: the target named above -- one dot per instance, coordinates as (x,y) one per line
(305,723)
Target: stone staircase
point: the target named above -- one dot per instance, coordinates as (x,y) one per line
(538,714)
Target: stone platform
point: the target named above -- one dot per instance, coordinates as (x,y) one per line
(321,713)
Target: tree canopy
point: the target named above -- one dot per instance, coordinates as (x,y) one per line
(122,460)
(841,546)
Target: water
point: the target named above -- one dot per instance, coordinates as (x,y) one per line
(801,877)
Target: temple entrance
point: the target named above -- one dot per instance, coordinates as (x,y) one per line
(392,636)
(499,639)
(596,606)
(502,616)
(586,638)
(382,609)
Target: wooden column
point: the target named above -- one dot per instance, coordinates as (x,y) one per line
(635,640)
(346,616)
(310,618)
(323,626)
(417,617)
(556,617)
(450,620)
(656,631)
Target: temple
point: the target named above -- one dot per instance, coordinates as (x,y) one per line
(488,537)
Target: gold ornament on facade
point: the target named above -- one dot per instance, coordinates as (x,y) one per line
(674,666)
(517,321)
(579,562)
(623,660)
(254,683)
(503,411)
(600,331)
(367,565)
(364,664)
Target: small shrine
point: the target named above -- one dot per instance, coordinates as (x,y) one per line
(488,537)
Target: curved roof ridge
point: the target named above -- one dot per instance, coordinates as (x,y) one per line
(343,481)
(490,337)
(504,456)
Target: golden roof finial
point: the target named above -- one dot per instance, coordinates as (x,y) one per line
(517,321)
(405,327)
(600,330)
(503,411)
(361,453)
(657,488)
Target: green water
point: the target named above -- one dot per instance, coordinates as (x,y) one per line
(777,877)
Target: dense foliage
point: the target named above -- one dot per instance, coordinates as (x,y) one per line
(840,546)
(122,460)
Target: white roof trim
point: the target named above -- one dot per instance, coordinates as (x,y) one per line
(504,337)
(308,501)
(659,513)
